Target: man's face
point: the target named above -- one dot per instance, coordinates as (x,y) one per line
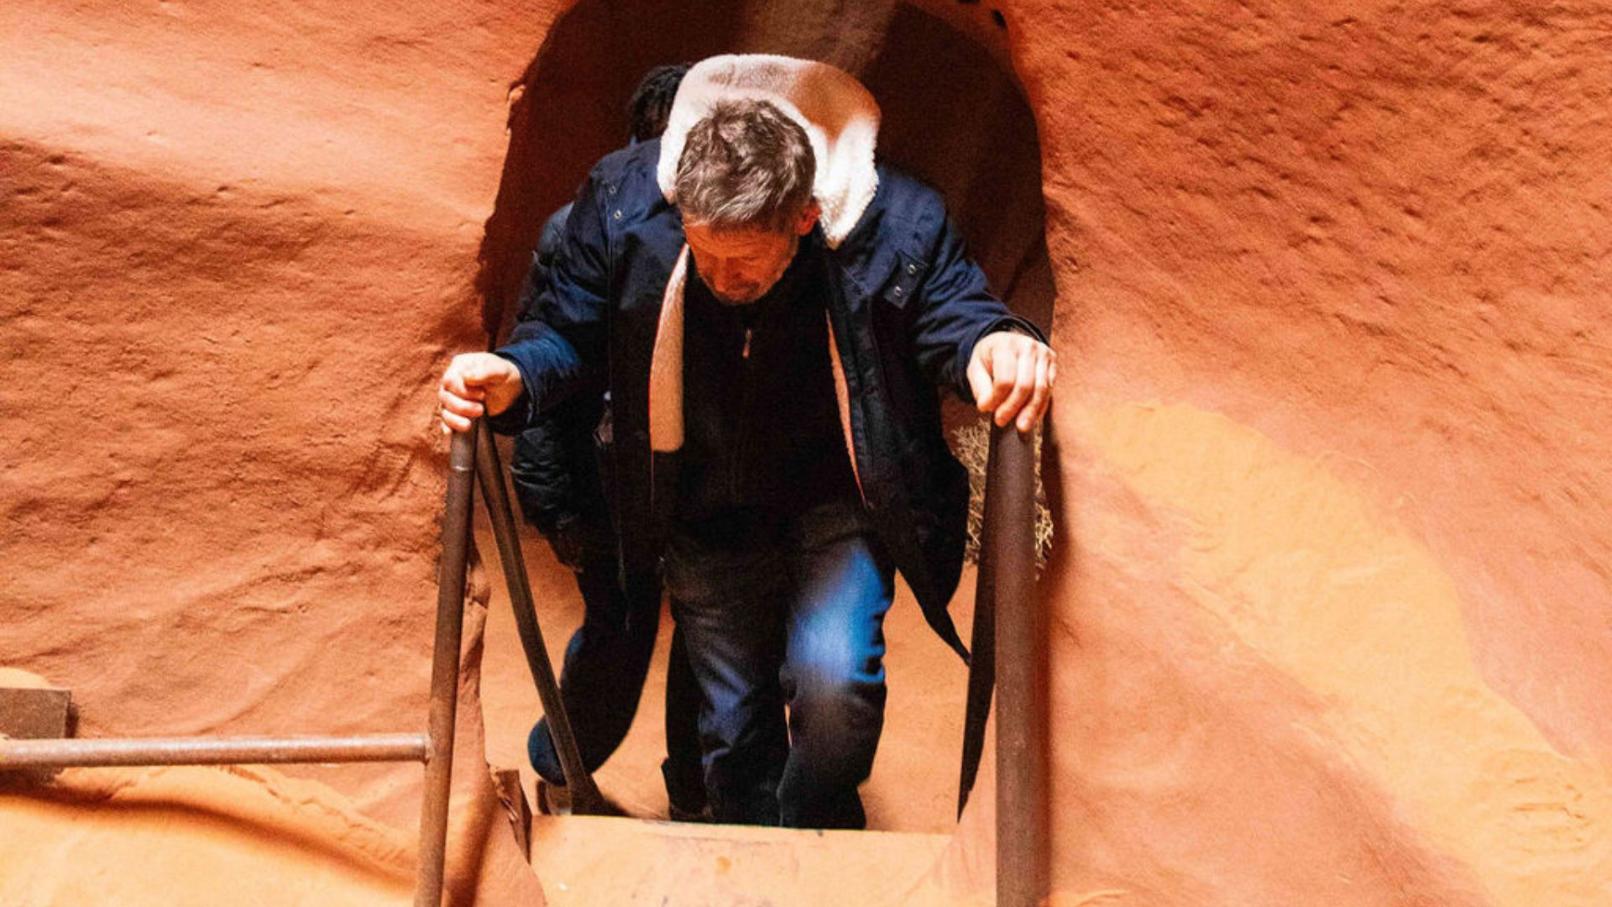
(740,265)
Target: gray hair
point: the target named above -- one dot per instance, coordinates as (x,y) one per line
(745,165)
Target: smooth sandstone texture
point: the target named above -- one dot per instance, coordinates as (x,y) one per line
(1330,594)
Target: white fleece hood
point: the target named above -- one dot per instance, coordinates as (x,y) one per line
(839,115)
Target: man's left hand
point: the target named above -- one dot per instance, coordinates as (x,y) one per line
(1012,374)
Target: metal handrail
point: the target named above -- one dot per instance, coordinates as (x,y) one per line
(1022,833)
(445,666)
(71,753)
(584,795)
(1009,654)
(1010,649)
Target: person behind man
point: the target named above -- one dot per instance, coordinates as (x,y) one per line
(556,475)
(772,313)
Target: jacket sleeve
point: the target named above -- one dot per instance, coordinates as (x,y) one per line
(561,348)
(548,248)
(956,309)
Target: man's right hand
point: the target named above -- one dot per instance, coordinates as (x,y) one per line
(474,385)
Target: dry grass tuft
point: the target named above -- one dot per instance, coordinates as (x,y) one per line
(972,445)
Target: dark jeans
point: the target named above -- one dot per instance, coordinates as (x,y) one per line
(603,677)
(790,614)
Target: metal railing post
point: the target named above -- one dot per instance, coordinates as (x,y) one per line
(1022,832)
(445,667)
(584,794)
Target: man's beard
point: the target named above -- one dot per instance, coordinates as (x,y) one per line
(761,288)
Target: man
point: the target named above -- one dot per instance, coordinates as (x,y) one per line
(556,475)
(771,313)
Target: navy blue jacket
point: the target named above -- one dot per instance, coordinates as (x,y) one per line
(553,465)
(907,305)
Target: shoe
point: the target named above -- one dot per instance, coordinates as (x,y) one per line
(553,799)
(676,813)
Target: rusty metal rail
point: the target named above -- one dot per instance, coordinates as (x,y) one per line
(1009,656)
(70,753)
(584,794)
(1023,839)
(1009,633)
(445,665)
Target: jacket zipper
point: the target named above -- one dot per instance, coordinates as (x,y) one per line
(746,393)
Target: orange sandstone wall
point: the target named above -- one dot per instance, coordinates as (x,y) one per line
(1331,607)
(237,242)
(1330,597)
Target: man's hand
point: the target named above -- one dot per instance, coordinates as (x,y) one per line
(477,384)
(1012,374)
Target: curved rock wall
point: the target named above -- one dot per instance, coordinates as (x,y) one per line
(1330,594)
(1333,626)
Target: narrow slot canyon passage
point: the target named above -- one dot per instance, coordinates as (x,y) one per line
(953,117)
(1330,435)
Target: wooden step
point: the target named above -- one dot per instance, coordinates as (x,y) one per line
(591,860)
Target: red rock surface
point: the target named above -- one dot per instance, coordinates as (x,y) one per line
(1330,595)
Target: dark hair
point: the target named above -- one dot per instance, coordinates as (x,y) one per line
(652,100)
(745,164)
